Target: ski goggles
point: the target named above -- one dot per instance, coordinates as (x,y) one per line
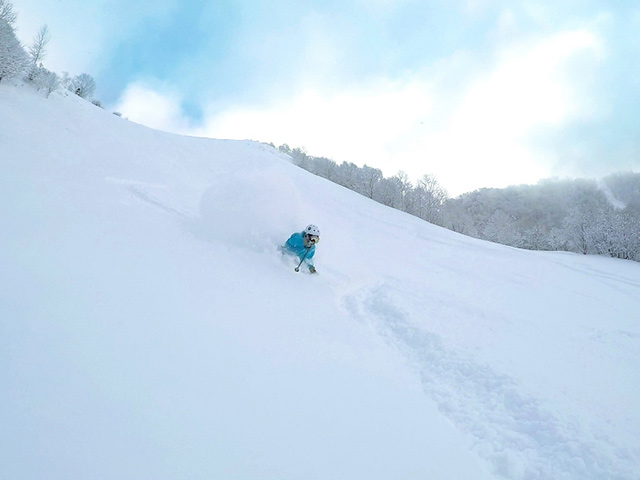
(313,238)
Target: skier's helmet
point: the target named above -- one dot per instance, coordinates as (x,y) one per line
(312,233)
(312,230)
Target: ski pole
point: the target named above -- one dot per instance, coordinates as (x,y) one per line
(305,256)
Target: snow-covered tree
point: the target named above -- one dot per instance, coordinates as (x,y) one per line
(6,12)
(299,156)
(500,229)
(369,179)
(557,239)
(428,198)
(577,227)
(83,85)
(402,188)
(45,80)
(348,175)
(620,236)
(386,192)
(536,238)
(629,235)
(325,168)
(38,50)
(458,219)
(13,58)
(602,231)
(284,148)
(65,81)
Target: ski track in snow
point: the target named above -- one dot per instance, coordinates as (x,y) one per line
(613,281)
(143,191)
(516,433)
(140,193)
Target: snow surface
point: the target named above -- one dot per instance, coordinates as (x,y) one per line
(150,330)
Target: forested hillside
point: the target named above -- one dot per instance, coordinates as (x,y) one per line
(585,216)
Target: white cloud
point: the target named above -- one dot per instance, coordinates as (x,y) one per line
(486,139)
(161,110)
(359,126)
(477,136)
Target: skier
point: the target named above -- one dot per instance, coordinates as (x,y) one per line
(303,245)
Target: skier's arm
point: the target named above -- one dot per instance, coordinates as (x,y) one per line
(309,260)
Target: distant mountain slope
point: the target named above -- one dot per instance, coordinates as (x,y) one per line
(150,329)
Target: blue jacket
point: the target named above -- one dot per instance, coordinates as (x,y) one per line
(295,245)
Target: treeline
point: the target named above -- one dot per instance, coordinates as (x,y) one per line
(16,61)
(583,216)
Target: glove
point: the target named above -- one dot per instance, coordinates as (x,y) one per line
(312,269)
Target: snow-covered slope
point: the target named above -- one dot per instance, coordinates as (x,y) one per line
(150,330)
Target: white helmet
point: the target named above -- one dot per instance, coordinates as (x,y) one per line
(312,230)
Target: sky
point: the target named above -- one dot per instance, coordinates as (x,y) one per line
(479,93)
